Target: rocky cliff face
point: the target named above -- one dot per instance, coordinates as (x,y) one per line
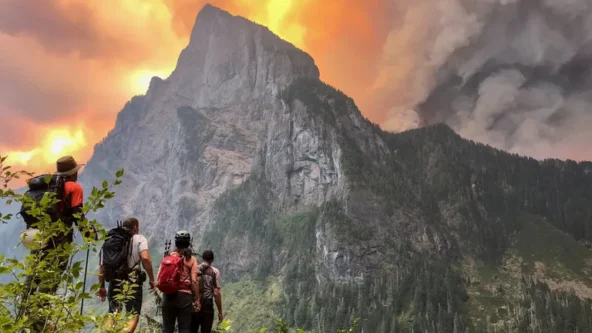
(198,133)
(317,215)
(216,120)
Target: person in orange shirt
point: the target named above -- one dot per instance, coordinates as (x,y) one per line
(73,199)
(71,204)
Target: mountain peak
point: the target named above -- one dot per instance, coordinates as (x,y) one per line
(209,9)
(231,57)
(210,14)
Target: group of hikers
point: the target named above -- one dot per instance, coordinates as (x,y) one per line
(189,289)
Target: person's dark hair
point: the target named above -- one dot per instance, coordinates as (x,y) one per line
(208,255)
(184,252)
(130,223)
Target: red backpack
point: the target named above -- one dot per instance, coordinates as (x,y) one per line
(169,277)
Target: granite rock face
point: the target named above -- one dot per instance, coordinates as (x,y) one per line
(201,131)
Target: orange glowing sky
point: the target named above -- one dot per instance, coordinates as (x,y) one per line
(68,66)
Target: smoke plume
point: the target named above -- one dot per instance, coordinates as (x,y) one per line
(510,73)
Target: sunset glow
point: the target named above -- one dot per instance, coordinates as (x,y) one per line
(58,142)
(68,76)
(276,19)
(139,81)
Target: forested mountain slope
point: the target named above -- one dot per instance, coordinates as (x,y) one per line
(435,233)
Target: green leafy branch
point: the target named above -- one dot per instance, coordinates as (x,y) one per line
(23,305)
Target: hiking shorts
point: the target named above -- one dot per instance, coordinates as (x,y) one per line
(131,306)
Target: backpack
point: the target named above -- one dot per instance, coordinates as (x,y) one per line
(38,187)
(204,269)
(115,252)
(169,277)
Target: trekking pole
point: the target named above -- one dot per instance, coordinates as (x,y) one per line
(167,247)
(84,283)
(86,270)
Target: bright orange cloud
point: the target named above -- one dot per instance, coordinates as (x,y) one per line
(57,142)
(67,75)
(345,37)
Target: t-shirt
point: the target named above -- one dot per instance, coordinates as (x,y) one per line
(75,192)
(209,281)
(139,244)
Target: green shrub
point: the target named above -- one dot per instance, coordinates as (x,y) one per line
(24,311)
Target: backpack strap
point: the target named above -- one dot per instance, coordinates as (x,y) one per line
(207,270)
(185,266)
(129,253)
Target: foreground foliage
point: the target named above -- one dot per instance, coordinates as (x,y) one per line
(22,310)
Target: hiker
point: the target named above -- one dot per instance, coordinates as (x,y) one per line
(70,194)
(209,288)
(180,291)
(132,272)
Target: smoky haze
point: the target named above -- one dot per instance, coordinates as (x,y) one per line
(513,74)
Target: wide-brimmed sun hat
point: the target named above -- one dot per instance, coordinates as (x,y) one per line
(67,166)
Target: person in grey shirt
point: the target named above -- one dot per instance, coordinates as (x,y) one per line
(209,289)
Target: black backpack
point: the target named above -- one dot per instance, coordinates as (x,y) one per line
(115,252)
(38,187)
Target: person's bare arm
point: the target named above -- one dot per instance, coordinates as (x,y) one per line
(195,281)
(218,299)
(101,276)
(218,296)
(147,263)
(102,291)
(195,285)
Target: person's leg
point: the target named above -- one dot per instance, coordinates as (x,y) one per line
(33,282)
(31,286)
(194,322)
(169,313)
(184,310)
(53,258)
(134,306)
(207,316)
(62,265)
(131,326)
(114,305)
